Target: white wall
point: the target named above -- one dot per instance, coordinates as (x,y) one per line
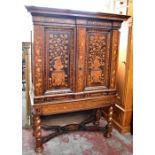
(26,24)
(88,5)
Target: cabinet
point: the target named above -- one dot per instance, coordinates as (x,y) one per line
(74,64)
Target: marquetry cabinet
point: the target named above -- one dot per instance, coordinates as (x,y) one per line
(74,65)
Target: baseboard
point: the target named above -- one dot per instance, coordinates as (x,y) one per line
(121,128)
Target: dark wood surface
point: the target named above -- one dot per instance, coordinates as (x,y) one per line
(44,11)
(74,64)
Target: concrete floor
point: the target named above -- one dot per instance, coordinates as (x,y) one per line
(77,143)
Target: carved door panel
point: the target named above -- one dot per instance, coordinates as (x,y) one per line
(59,60)
(97,63)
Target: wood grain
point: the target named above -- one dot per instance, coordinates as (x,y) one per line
(74,64)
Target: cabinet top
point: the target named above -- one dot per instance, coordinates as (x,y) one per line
(44,11)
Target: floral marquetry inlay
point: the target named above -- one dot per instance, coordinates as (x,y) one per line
(96,58)
(114,58)
(38,61)
(81,33)
(38,68)
(74,67)
(58,54)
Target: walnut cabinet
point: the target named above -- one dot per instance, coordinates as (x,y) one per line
(74,62)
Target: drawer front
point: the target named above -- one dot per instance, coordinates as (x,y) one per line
(58,107)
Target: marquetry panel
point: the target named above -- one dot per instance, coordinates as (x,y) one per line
(38,60)
(59,58)
(114,57)
(81,54)
(98,45)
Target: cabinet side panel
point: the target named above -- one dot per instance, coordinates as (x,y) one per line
(114,56)
(38,60)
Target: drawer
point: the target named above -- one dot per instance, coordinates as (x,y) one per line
(73,105)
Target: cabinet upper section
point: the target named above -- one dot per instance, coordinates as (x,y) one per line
(65,16)
(75,52)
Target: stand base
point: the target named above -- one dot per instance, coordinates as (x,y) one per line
(58,130)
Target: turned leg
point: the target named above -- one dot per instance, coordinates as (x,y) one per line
(109,125)
(98,116)
(37,133)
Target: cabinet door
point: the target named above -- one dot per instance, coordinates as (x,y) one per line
(93,58)
(97,63)
(59,59)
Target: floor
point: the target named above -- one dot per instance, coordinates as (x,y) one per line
(77,143)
